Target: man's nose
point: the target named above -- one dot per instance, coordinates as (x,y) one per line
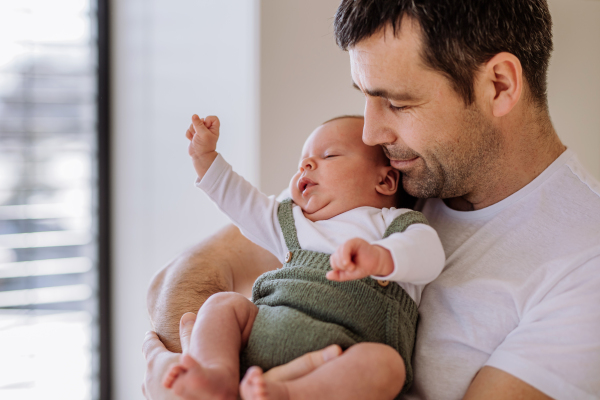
(375,130)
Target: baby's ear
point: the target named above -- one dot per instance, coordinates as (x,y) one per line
(388,181)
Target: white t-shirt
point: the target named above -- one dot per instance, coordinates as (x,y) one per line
(417,252)
(520,291)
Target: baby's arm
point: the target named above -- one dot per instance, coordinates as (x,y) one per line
(203,135)
(249,209)
(415,256)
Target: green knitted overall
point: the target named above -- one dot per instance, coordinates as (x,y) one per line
(302,311)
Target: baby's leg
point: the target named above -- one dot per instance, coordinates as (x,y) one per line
(211,369)
(364,371)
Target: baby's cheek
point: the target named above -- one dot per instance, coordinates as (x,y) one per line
(293,188)
(353,181)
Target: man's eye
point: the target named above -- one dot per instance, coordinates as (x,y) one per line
(395,108)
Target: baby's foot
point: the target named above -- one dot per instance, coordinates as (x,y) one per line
(255,387)
(190,380)
(172,375)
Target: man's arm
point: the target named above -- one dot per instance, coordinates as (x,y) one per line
(227,261)
(494,384)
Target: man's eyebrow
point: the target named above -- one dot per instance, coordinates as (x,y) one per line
(386,94)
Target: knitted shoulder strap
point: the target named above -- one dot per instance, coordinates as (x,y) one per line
(286,221)
(404,221)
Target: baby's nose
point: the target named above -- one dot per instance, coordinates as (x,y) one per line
(308,164)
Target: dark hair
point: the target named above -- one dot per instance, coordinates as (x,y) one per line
(460,35)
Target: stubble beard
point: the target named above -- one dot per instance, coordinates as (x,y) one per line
(456,169)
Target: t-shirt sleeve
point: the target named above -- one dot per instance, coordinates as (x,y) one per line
(556,345)
(417,253)
(248,208)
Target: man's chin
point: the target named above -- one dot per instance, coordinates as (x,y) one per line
(420,188)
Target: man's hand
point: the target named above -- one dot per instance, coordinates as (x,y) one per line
(159,359)
(303,365)
(203,135)
(356,259)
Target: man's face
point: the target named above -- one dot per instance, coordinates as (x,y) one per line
(442,147)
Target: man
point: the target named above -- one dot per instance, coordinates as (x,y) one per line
(456,94)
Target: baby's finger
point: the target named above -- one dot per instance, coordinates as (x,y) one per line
(344,276)
(198,124)
(346,251)
(212,122)
(334,261)
(333,275)
(189,134)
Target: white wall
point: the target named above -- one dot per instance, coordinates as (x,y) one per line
(171,59)
(281,78)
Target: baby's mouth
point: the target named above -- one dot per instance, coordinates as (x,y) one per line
(305,183)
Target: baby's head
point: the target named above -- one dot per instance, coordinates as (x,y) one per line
(338,172)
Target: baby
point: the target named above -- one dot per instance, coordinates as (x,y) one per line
(342,242)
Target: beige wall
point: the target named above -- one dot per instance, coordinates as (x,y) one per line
(574,84)
(305,79)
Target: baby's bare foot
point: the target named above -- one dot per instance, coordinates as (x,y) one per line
(172,375)
(255,387)
(190,380)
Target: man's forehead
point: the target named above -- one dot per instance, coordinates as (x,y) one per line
(387,49)
(391,66)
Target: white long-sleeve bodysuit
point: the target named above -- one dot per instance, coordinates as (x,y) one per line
(417,252)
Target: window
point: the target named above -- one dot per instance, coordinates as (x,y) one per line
(52,207)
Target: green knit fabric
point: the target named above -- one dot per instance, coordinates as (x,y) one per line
(301,311)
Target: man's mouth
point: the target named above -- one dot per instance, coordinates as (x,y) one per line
(304,183)
(399,164)
(400,158)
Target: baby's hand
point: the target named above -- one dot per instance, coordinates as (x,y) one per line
(356,259)
(203,135)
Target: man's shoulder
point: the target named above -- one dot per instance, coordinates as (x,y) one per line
(573,195)
(581,181)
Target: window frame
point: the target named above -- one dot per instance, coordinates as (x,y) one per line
(104,198)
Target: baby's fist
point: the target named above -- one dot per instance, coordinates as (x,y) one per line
(203,135)
(357,259)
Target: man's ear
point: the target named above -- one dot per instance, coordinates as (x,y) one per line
(502,81)
(388,181)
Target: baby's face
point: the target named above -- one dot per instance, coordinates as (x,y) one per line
(338,172)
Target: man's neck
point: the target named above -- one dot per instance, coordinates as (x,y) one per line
(526,155)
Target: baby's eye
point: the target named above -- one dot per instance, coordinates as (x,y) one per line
(330,155)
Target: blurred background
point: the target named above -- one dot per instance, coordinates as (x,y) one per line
(269,69)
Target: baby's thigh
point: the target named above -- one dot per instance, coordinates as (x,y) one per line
(225,308)
(364,371)
(381,358)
